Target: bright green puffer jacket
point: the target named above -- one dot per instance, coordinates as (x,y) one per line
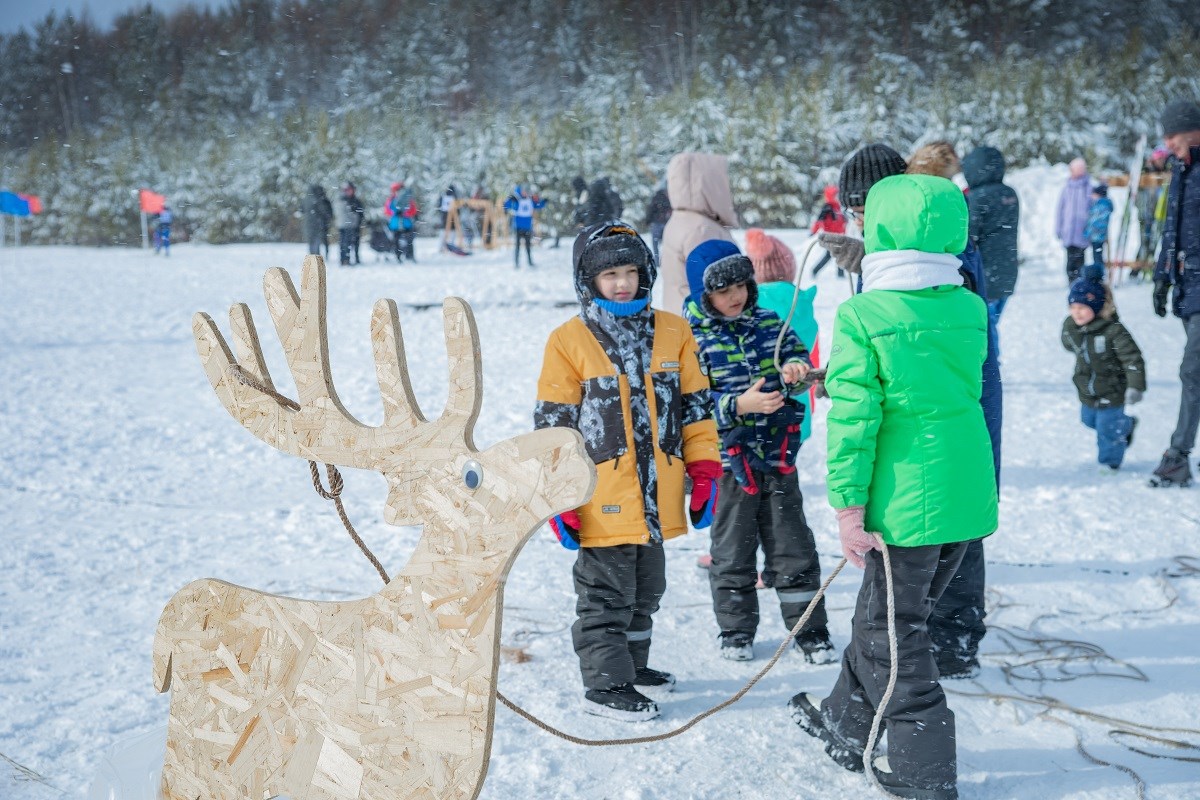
(907,437)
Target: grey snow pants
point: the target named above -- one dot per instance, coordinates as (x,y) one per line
(1184,437)
(919,724)
(617,590)
(775,519)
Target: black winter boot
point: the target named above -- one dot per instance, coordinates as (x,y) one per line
(815,646)
(1173,470)
(623,702)
(806,712)
(889,781)
(653,683)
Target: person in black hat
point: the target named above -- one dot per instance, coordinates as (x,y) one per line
(628,378)
(864,169)
(1179,267)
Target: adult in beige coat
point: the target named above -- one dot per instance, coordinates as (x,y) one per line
(702,209)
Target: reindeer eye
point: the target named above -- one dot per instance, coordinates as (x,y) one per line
(472,475)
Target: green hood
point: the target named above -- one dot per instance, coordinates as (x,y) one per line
(915,212)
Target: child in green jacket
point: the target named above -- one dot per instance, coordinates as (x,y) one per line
(910,461)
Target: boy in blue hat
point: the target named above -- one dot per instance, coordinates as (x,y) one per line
(759,425)
(1109,371)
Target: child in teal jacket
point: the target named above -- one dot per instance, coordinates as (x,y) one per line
(910,461)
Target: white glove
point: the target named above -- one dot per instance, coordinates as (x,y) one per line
(1133,396)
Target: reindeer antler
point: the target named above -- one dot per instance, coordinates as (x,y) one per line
(320,428)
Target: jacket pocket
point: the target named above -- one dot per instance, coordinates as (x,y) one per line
(668,402)
(601,420)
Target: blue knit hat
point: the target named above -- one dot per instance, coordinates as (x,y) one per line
(1088,292)
(715,264)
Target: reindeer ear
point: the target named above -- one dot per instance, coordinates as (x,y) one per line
(466,370)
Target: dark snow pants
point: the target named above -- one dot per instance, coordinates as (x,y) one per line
(956,624)
(345,245)
(617,591)
(315,240)
(527,237)
(919,724)
(774,519)
(1074,262)
(1184,436)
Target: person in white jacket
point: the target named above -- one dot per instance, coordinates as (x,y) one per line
(702,209)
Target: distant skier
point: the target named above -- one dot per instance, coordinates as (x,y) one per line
(401,212)
(345,219)
(445,206)
(521,206)
(163,230)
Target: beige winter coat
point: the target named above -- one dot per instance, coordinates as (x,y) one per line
(702,209)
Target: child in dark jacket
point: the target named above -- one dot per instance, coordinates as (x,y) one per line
(759,425)
(1109,371)
(627,378)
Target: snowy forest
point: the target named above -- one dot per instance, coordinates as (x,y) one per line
(234,112)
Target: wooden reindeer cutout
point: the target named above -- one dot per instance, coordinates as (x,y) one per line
(393,695)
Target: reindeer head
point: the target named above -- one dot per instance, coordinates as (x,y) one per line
(479,502)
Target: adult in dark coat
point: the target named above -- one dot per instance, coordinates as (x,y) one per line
(995,212)
(658,211)
(317,214)
(602,203)
(1179,266)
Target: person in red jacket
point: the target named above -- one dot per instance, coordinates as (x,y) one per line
(830,220)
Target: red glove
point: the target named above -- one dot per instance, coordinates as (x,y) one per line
(704,475)
(566,527)
(856,542)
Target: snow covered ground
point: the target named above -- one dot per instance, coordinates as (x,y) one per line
(123,479)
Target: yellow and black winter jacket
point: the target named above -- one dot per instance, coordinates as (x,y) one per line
(640,430)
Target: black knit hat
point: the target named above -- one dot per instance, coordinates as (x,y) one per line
(1179,116)
(1100,189)
(864,169)
(607,245)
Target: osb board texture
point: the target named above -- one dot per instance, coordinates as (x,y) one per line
(393,695)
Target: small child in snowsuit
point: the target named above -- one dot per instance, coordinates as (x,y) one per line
(759,424)
(627,378)
(909,460)
(1109,371)
(1096,229)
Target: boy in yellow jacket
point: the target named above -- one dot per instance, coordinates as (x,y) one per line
(628,378)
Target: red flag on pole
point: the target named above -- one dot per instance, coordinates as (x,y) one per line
(151,203)
(35,202)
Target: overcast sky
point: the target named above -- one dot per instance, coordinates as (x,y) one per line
(25,13)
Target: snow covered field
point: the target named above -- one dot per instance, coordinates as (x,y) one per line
(123,479)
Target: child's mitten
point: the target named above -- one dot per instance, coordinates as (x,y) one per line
(703,504)
(1133,396)
(856,542)
(566,527)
